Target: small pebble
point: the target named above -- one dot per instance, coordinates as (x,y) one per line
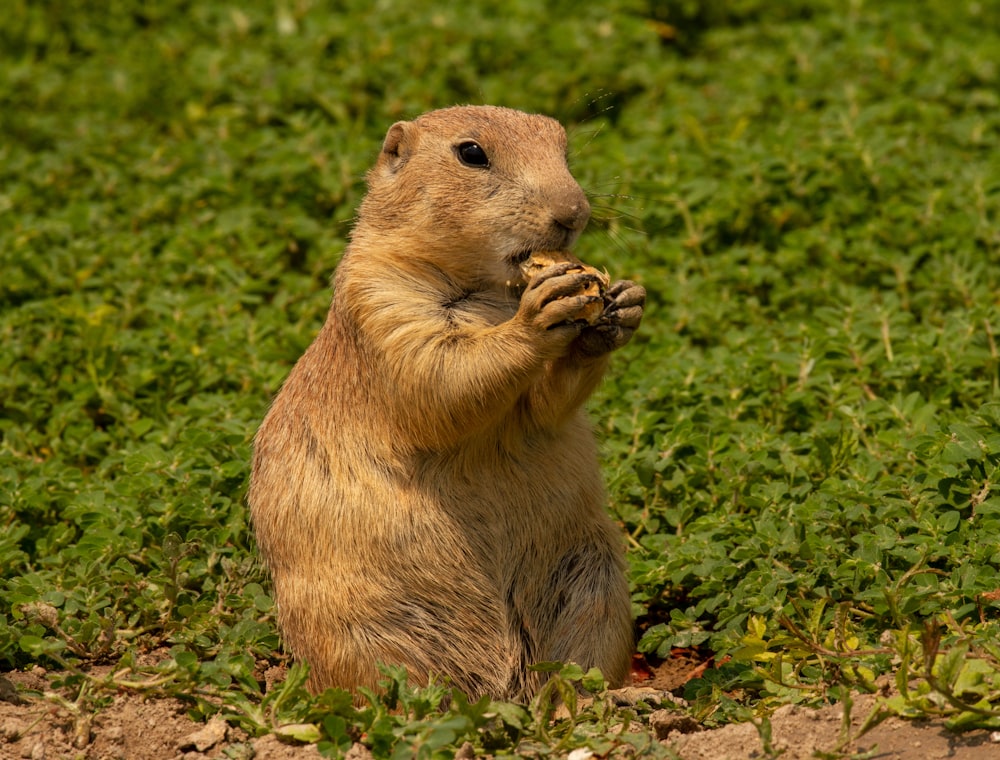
(114,733)
(358,751)
(663,722)
(10,730)
(205,738)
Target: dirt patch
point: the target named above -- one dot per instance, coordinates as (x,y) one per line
(799,733)
(135,728)
(130,728)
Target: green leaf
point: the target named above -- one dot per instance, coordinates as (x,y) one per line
(307,733)
(949,521)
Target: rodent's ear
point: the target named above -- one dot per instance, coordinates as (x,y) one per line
(397,145)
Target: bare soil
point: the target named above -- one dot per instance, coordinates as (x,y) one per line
(135,728)
(799,733)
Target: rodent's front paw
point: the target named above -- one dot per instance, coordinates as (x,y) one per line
(557,297)
(622,314)
(625,301)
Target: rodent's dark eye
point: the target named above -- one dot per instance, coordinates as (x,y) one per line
(472,154)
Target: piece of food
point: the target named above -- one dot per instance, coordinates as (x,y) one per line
(540,260)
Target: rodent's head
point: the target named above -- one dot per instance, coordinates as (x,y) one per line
(474,190)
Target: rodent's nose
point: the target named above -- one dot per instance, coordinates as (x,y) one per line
(571,210)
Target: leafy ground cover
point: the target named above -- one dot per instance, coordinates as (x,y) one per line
(802,446)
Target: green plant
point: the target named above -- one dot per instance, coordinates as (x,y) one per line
(802,444)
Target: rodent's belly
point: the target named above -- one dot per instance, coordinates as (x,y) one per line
(543,487)
(482,503)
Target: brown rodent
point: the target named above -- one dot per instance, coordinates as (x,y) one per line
(425,487)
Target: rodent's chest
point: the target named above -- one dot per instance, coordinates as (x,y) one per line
(479,309)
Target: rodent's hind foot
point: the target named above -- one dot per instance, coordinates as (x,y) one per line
(632,696)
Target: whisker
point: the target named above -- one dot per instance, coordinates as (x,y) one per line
(596,112)
(631,209)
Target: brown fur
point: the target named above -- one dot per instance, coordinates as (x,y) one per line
(425,487)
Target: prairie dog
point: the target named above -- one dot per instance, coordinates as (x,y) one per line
(425,487)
